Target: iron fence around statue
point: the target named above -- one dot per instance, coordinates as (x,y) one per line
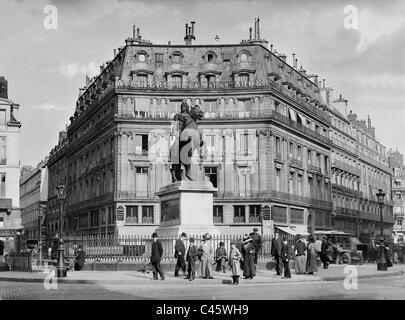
(138,248)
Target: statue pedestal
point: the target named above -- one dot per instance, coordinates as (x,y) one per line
(186,206)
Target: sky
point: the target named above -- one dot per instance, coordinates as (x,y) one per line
(357,46)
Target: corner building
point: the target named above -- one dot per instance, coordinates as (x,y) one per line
(265,129)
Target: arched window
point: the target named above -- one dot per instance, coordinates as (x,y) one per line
(177,57)
(210,57)
(243,57)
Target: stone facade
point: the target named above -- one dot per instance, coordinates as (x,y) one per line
(10,215)
(359,169)
(265,130)
(398,195)
(33,196)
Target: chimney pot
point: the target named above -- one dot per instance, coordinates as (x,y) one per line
(323,83)
(250,33)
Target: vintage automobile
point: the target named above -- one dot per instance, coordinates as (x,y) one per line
(345,249)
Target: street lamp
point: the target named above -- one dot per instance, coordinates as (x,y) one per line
(61,269)
(382,261)
(40,218)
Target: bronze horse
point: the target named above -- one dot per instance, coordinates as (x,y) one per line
(187,139)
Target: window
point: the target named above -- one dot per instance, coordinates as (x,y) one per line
(210,57)
(103,217)
(176,57)
(297,216)
(2,185)
(239,214)
(218,214)
(141,57)
(244,78)
(147,214)
(244,182)
(254,214)
(177,80)
(1,222)
(212,174)
(158,57)
(142,79)
(278,147)
(299,152)
(210,79)
(94,218)
(280,214)
(243,57)
(309,156)
(291,150)
(278,178)
(132,214)
(141,144)
(141,181)
(398,196)
(3,157)
(111,215)
(3,120)
(244,144)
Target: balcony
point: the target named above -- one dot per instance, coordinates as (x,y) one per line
(296,162)
(346,167)
(314,169)
(147,220)
(254,219)
(218,219)
(347,211)
(131,220)
(135,195)
(345,190)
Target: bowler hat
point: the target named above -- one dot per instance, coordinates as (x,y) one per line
(247,238)
(191,239)
(255,229)
(221,244)
(184,235)
(206,236)
(154,235)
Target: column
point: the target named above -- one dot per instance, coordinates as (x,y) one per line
(228,135)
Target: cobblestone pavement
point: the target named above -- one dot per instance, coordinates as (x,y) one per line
(382,288)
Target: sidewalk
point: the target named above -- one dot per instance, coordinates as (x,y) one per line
(333,273)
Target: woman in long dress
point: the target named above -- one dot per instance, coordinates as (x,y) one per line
(312,265)
(207,258)
(234,262)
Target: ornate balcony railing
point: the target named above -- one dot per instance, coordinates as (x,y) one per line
(346,167)
(296,162)
(314,168)
(147,220)
(135,194)
(238,219)
(131,220)
(254,219)
(347,211)
(218,219)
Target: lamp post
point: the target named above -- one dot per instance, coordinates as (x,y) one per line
(382,261)
(40,217)
(61,269)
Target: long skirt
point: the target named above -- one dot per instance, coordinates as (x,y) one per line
(235,268)
(300,262)
(312,265)
(206,267)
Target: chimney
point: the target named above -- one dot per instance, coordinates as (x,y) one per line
(138,34)
(189,34)
(250,34)
(271,48)
(3,88)
(115,52)
(134,32)
(293,55)
(323,83)
(258,29)
(283,57)
(341,105)
(369,122)
(255,29)
(169,43)
(62,135)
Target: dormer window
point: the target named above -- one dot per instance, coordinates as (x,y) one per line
(141,57)
(210,57)
(243,57)
(177,57)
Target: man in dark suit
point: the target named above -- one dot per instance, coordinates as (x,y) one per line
(276,247)
(180,253)
(156,256)
(79,259)
(286,256)
(324,253)
(191,257)
(257,243)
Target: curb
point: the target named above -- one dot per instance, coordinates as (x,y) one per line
(198,281)
(367,276)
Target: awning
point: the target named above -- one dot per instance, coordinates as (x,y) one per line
(331,232)
(291,231)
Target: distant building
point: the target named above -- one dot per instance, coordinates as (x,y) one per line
(33,196)
(10,215)
(398,194)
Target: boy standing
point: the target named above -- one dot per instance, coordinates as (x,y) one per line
(220,257)
(234,262)
(191,257)
(286,256)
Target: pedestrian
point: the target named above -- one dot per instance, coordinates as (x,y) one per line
(311,256)
(156,256)
(286,256)
(318,245)
(191,257)
(300,258)
(180,253)
(324,253)
(386,253)
(257,243)
(80,258)
(239,245)
(276,247)
(221,257)
(207,257)
(248,252)
(234,257)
